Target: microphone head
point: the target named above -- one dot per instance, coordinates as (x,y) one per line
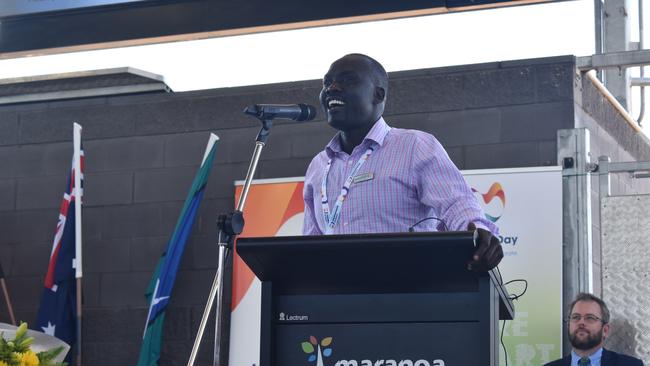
(307,112)
(296,112)
(252,110)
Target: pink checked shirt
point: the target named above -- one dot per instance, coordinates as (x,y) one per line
(407,178)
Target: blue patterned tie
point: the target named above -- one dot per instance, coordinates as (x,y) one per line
(585,361)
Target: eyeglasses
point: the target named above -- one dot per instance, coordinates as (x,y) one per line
(589,318)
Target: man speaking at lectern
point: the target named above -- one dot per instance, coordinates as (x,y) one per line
(372,178)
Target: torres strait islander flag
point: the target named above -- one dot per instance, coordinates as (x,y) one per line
(57,312)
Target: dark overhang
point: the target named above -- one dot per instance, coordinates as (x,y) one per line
(29,27)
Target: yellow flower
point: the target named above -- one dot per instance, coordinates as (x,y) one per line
(2,363)
(28,358)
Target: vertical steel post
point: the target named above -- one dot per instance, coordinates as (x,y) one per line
(573,156)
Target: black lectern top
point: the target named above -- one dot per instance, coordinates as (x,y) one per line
(367,263)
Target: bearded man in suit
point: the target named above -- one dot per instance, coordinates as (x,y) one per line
(588,329)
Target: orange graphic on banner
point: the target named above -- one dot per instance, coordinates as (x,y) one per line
(268,207)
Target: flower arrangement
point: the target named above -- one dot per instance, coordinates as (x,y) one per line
(17,352)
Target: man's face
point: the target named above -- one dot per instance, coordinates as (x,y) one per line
(586,334)
(349,96)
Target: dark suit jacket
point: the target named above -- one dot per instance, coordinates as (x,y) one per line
(609,358)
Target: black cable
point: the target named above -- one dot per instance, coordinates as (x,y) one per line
(512,297)
(500,277)
(444,226)
(505,351)
(516,297)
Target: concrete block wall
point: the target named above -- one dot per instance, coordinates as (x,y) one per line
(142,152)
(489,115)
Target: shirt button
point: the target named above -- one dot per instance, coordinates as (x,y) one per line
(345,224)
(350,162)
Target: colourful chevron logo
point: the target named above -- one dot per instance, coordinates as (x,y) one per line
(495,191)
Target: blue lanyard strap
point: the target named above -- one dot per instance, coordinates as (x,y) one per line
(331,219)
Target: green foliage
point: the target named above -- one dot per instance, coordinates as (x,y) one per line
(11,350)
(46,357)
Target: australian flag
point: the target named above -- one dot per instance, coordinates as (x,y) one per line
(57,314)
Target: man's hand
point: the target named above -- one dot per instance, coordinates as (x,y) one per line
(488,252)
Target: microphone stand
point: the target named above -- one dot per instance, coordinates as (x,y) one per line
(230,225)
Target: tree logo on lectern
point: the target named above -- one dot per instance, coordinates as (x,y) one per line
(496,210)
(316,350)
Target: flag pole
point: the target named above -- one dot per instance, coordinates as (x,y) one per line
(78,194)
(229,225)
(6,294)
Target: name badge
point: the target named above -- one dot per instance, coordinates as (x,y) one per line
(362,177)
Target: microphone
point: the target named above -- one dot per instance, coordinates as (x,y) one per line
(296,112)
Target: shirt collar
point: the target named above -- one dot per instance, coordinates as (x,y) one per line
(594,357)
(376,134)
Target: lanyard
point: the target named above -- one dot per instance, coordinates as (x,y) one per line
(331,219)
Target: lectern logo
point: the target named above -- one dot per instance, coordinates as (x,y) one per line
(317,350)
(495,210)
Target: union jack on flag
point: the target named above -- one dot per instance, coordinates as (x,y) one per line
(57,312)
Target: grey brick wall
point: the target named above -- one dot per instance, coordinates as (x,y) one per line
(142,152)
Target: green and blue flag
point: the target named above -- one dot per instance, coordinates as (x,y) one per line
(162,283)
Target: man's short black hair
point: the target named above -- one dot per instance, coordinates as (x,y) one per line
(379,74)
(583,296)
